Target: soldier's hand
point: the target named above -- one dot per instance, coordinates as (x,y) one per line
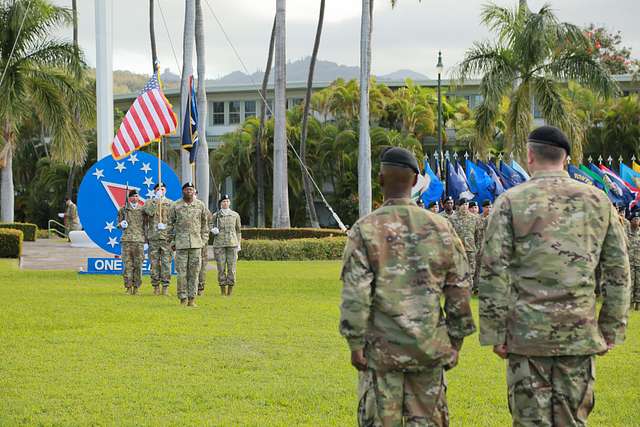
(609,347)
(453,362)
(500,350)
(358,360)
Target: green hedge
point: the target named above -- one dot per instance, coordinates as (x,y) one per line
(28,230)
(294,249)
(286,233)
(10,243)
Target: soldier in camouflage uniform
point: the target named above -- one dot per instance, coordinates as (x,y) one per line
(157,212)
(398,262)
(188,232)
(633,242)
(466,225)
(202,277)
(473,208)
(132,222)
(433,207)
(70,216)
(482,226)
(545,238)
(226,244)
(448,211)
(622,212)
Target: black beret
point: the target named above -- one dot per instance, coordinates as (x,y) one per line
(550,135)
(398,156)
(635,214)
(486,203)
(133,193)
(449,199)
(620,206)
(155,187)
(188,185)
(472,204)
(462,201)
(224,197)
(432,204)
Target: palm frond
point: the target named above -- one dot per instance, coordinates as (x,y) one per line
(519,120)
(583,68)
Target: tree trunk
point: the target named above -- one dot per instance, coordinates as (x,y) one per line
(187,71)
(72,171)
(280,183)
(6,187)
(364,142)
(312,216)
(152,37)
(202,156)
(260,205)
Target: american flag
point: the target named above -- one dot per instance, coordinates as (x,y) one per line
(149,117)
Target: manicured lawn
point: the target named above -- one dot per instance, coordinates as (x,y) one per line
(75,350)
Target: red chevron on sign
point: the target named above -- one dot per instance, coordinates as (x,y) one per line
(118,193)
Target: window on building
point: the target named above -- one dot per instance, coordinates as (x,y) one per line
(234,112)
(293,102)
(249,109)
(218,113)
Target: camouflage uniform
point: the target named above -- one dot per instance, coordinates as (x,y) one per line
(226,245)
(447,215)
(634,260)
(157,211)
(480,233)
(466,225)
(398,262)
(132,249)
(188,232)
(537,286)
(204,257)
(71,221)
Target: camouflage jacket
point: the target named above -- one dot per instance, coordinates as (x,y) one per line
(136,224)
(398,262)
(480,231)
(230,231)
(543,243)
(187,225)
(71,215)
(446,215)
(634,247)
(466,225)
(157,211)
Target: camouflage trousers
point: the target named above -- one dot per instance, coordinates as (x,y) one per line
(188,269)
(635,283)
(160,259)
(550,391)
(471,257)
(132,257)
(204,259)
(226,259)
(396,398)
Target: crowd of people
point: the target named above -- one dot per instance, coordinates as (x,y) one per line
(536,259)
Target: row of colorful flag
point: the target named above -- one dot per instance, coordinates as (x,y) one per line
(481,181)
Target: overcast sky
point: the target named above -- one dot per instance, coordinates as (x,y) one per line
(408,36)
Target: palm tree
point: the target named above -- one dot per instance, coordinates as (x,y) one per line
(532,53)
(187,70)
(308,189)
(39,77)
(364,140)
(202,155)
(280,217)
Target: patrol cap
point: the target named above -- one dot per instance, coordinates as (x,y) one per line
(486,203)
(133,193)
(161,184)
(398,156)
(188,185)
(473,204)
(550,135)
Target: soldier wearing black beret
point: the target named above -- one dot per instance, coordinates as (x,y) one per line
(448,207)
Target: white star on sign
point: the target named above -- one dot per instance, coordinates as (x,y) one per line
(99,173)
(109,226)
(146,167)
(120,167)
(133,158)
(148,181)
(112,241)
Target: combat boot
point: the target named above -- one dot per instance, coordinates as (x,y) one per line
(156,290)
(637,306)
(127,290)
(165,291)
(192,302)
(183,301)
(134,290)
(200,292)
(222,290)
(229,289)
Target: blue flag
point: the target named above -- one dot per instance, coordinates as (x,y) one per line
(613,191)
(629,175)
(456,185)
(190,124)
(523,173)
(480,183)
(514,177)
(497,188)
(579,175)
(506,183)
(433,192)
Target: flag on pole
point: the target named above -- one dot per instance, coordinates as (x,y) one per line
(516,166)
(434,190)
(190,124)
(511,174)
(497,188)
(480,183)
(456,184)
(629,175)
(149,117)
(635,166)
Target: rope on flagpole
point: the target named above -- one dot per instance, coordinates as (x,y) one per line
(15,42)
(166,29)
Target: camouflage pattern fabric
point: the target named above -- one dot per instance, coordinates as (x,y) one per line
(188,268)
(466,225)
(634,260)
(480,232)
(550,391)
(160,255)
(71,221)
(447,215)
(226,259)
(398,262)
(204,261)
(187,226)
(136,230)
(132,257)
(157,211)
(544,240)
(230,229)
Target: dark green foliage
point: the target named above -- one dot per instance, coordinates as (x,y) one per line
(29,231)
(10,243)
(294,249)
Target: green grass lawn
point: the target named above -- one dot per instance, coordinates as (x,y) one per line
(75,350)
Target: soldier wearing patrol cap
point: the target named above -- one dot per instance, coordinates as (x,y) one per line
(466,225)
(448,205)
(482,226)
(398,262)
(188,233)
(227,237)
(634,258)
(543,242)
(132,222)
(157,213)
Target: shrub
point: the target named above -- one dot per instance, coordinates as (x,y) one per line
(10,243)
(28,230)
(293,249)
(286,233)
(42,234)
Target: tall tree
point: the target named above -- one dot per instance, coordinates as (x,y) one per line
(364,141)
(72,171)
(280,185)
(188,35)
(260,142)
(531,54)
(38,76)
(308,188)
(202,156)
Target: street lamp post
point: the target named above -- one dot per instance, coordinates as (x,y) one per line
(440,68)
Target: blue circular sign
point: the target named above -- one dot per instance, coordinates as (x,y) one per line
(103,191)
